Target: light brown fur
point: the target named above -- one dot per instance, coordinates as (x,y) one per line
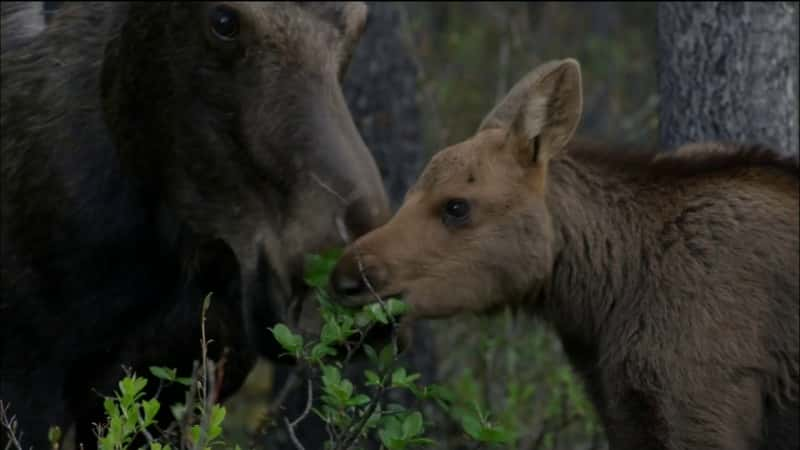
(671,279)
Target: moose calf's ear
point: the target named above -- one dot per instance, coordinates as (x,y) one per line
(542,110)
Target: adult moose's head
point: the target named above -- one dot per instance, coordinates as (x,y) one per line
(248,136)
(461,240)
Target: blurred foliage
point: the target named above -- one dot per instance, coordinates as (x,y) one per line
(469,56)
(514,368)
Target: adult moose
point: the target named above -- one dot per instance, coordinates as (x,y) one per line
(155,152)
(672,280)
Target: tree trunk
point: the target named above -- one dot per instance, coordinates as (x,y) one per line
(728,71)
(381,90)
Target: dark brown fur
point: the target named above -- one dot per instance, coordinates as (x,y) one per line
(146,162)
(671,278)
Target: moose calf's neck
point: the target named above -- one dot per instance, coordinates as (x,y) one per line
(598,250)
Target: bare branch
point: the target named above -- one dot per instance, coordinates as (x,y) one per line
(292,381)
(307,410)
(292,436)
(9,425)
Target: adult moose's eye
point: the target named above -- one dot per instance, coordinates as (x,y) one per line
(455,212)
(224,22)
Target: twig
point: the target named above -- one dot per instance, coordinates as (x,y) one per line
(351,351)
(220,375)
(187,412)
(207,382)
(10,427)
(148,436)
(274,406)
(318,180)
(359,426)
(292,436)
(309,401)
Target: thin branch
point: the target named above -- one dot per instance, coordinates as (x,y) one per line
(187,412)
(220,375)
(10,426)
(329,189)
(148,436)
(364,419)
(309,401)
(275,405)
(292,436)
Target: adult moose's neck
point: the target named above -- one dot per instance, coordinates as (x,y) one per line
(600,260)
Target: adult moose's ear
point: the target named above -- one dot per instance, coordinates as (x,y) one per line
(350,18)
(542,111)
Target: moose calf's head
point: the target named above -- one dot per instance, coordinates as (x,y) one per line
(474,232)
(249,142)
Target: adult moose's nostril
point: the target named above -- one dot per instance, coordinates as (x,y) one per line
(347,282)
(363,215)
(348,285)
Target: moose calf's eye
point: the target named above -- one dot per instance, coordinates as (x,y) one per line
(456,212)
(224,22)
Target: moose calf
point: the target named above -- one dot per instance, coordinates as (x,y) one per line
(671,280)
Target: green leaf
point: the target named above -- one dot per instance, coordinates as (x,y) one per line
(387,356)
(331,375)
(345,390)
(472,426)
(150,408)
(358,400)
(391,431)
(377,312)
(319,267)
(110,407)
(54,436)
(194,433)
(363,319)
(178,410)
(371,354)
(331,332)
(130,389)
(184,381)
(321,350)
(396,307)
(420,441)
(399,377)
(496,435)
(207,302)
(412,425)
(372,378)
(217,415)
(288,340)
(163,373)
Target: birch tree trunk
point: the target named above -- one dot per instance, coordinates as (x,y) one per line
(728,71)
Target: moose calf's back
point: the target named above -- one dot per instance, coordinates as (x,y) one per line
(672,279)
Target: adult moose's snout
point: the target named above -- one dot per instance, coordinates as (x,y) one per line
(365,214)
(347,283)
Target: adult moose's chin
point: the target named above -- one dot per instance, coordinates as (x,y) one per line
(262,293)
